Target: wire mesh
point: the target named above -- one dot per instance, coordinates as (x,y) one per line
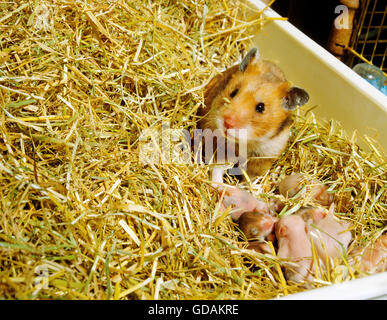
(369,39)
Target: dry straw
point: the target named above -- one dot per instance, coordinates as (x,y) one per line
(81,217)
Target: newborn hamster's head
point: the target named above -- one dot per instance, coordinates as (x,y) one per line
(256,225)
(254,96)
(291,227)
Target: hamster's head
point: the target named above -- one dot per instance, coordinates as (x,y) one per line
(292,226)
(254,96)
(256,225)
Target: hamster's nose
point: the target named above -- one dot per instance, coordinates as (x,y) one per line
(229,122)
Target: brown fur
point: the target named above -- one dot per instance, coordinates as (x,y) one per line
(262,81)
(256,225)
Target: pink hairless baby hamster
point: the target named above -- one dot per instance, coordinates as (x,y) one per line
(292,184)
(294,245)
(330,236)
(374,256)
(241,201)
(294,233)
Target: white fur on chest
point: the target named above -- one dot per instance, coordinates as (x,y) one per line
(268,145)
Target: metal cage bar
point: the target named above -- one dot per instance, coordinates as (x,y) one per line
(369,37)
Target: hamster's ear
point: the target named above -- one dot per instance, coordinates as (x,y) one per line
(283,231)
(251,57)
(295,97)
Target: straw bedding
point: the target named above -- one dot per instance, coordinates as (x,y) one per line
(82,217)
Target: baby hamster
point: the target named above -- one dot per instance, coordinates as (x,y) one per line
(374,257)
(254,96)
(294,245)
(330,236)
(293,184)
(257,225)
(241,201)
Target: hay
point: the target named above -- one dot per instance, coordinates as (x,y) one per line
(81,217)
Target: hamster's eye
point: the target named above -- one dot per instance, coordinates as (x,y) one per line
(260,107)
(234,93)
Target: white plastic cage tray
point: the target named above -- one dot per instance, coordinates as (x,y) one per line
(340,94)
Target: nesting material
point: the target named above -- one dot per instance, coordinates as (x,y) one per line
(82,217)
